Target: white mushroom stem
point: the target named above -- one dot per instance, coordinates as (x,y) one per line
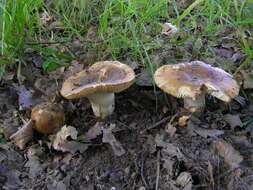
(195,105)
(102,104)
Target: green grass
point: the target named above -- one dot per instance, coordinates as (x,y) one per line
(18,19)
(207,18)
(126,28)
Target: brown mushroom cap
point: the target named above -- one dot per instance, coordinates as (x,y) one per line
(193,78)
(101,77)
(47,117)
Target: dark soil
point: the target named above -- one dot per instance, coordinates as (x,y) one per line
(155,158)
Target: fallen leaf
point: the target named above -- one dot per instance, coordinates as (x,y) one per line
(10,168)
(94,132)
(56,26)
(233,120)
(144,79)
(169,29)
(247,80)
(214,133)
(170,129)
(42,84)
(11,123)
(33,162)
(74,68)
(62,143)
(168,164)
(184,180)
(109,138)
(27,98)
(224,52)
(23,135)
(92,33)
(241,100)
(169,149)
(231,156)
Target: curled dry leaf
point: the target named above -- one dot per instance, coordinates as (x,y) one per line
(214,133)
(94,131)
(184,180)
(233,120)
(109,138)
(231,156)
(62,143)
(23,135)
(169,29)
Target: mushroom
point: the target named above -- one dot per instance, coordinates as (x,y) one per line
(99,83)
(191,81)
(47,117)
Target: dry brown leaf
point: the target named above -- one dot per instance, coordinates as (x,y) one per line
(184,180)
(233,120)
(204,132)
(247,80)
(170,129)
(56,26)
(74,68)
(169,29)
(33,163)
(23,135)
(62,143)
(231,156)
(94,131)
(109,138)
(144,78)
(27,98)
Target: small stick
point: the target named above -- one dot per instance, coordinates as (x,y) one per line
(157,170)
(142,171)
(156,124)
(171,118)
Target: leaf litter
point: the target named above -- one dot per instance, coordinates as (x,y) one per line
(62,143)
(231,156)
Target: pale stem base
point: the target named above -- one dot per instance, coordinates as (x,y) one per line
(195,105)
(102,104)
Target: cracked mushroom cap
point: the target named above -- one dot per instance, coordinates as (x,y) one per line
(101,77)
(193,78)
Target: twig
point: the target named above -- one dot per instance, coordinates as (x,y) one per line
(156,124)
(171,118)
(142,171)
(157,170)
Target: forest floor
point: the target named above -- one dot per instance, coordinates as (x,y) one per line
(213,151)
(141,146)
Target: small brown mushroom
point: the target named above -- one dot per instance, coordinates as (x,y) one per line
(47,117)
(99,83)
(193,80)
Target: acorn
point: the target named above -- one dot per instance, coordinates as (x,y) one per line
(47,117)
